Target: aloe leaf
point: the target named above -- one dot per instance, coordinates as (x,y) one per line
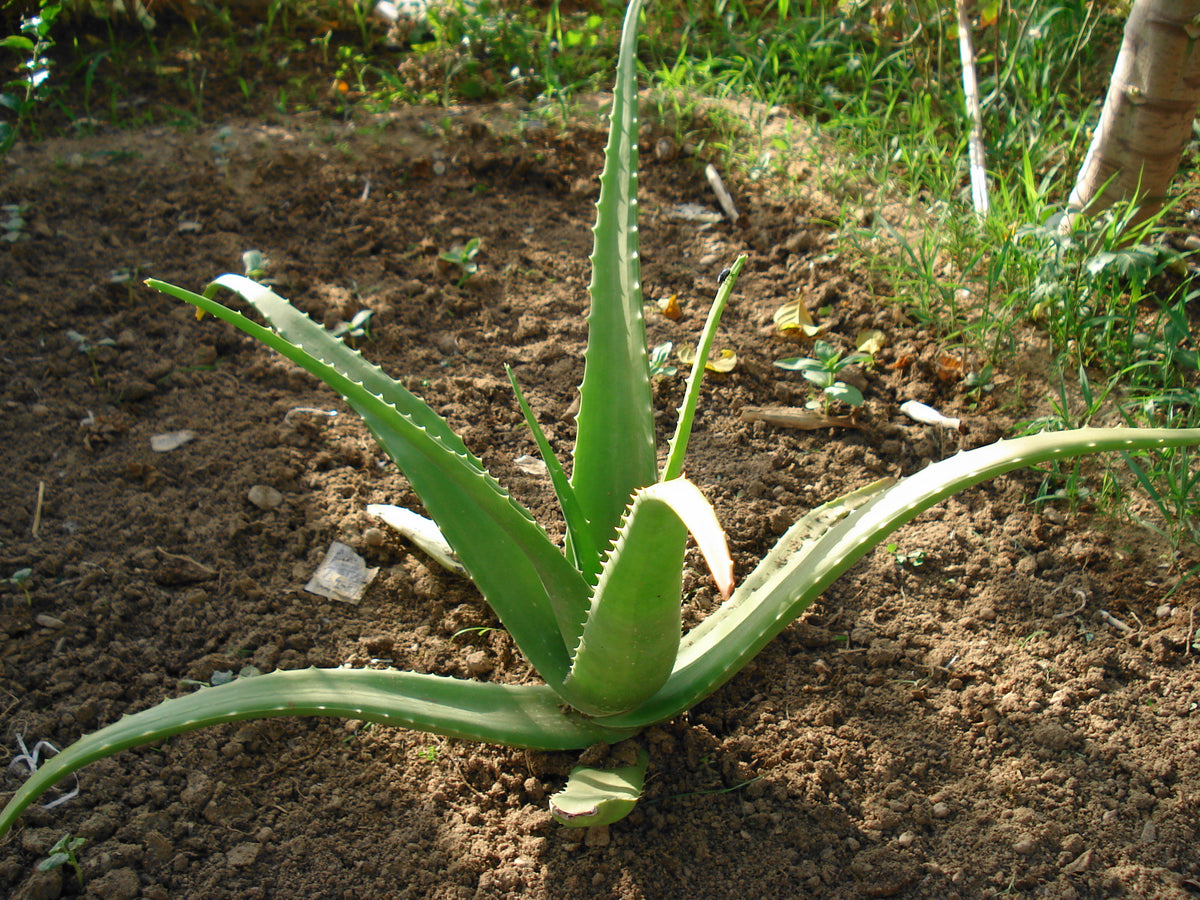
(615,447)
(631,635)
(521,715)
(537,594)
(585,554)
(811,555)
(673,468)
(599,796)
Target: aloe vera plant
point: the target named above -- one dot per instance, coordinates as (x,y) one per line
(599,619)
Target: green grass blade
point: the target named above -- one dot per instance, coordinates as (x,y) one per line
(536,593)
(673,468)
(800,569)
(521,715)
(615,447)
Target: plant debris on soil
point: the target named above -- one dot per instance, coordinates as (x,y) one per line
(1003,701)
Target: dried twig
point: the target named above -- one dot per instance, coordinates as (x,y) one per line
(37,512)
(1116,623)
(723,197)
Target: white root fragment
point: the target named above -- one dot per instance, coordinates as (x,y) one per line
(927,415)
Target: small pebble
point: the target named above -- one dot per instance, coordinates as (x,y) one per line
(1165,611)
(49,621)
(940,810)
(907,839)
(374,537)
(479,664)
(264,497)
(1024,844)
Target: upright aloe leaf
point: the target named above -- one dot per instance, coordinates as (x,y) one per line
(631,635)
(615,447)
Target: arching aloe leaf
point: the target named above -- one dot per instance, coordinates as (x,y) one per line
(599,796)
(615,446)
(822,546)
(536,593)
(523,715)
(631,636)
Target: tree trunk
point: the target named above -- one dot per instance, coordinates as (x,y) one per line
(1148,113)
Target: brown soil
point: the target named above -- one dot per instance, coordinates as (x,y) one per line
(968,727)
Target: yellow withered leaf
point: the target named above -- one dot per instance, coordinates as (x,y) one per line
(722,361)
(794,315)
(670,308)
(871,341)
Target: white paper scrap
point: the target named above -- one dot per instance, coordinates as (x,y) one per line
(342,575)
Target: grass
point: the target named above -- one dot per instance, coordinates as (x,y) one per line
(879,82)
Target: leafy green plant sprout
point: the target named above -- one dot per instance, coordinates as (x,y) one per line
(914,558)
(21,579)
(19,95)
(12,222)
(463,256)
(90,350)
(254,265)
(63,853)
(659,360)
(356,330)
(979,383)
(598,619)
(822,369)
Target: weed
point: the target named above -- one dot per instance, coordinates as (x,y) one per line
(461,257)
(823,369)
(64,852)
(21,579)
(20,95)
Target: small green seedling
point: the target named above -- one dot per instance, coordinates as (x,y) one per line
(914,558)
(63,853)
(979,383)
(356,330)
(254,264)
(478,630)
(658,360)
(20,578)
(12,222)
(822,369)
(86,347)
(463,256)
